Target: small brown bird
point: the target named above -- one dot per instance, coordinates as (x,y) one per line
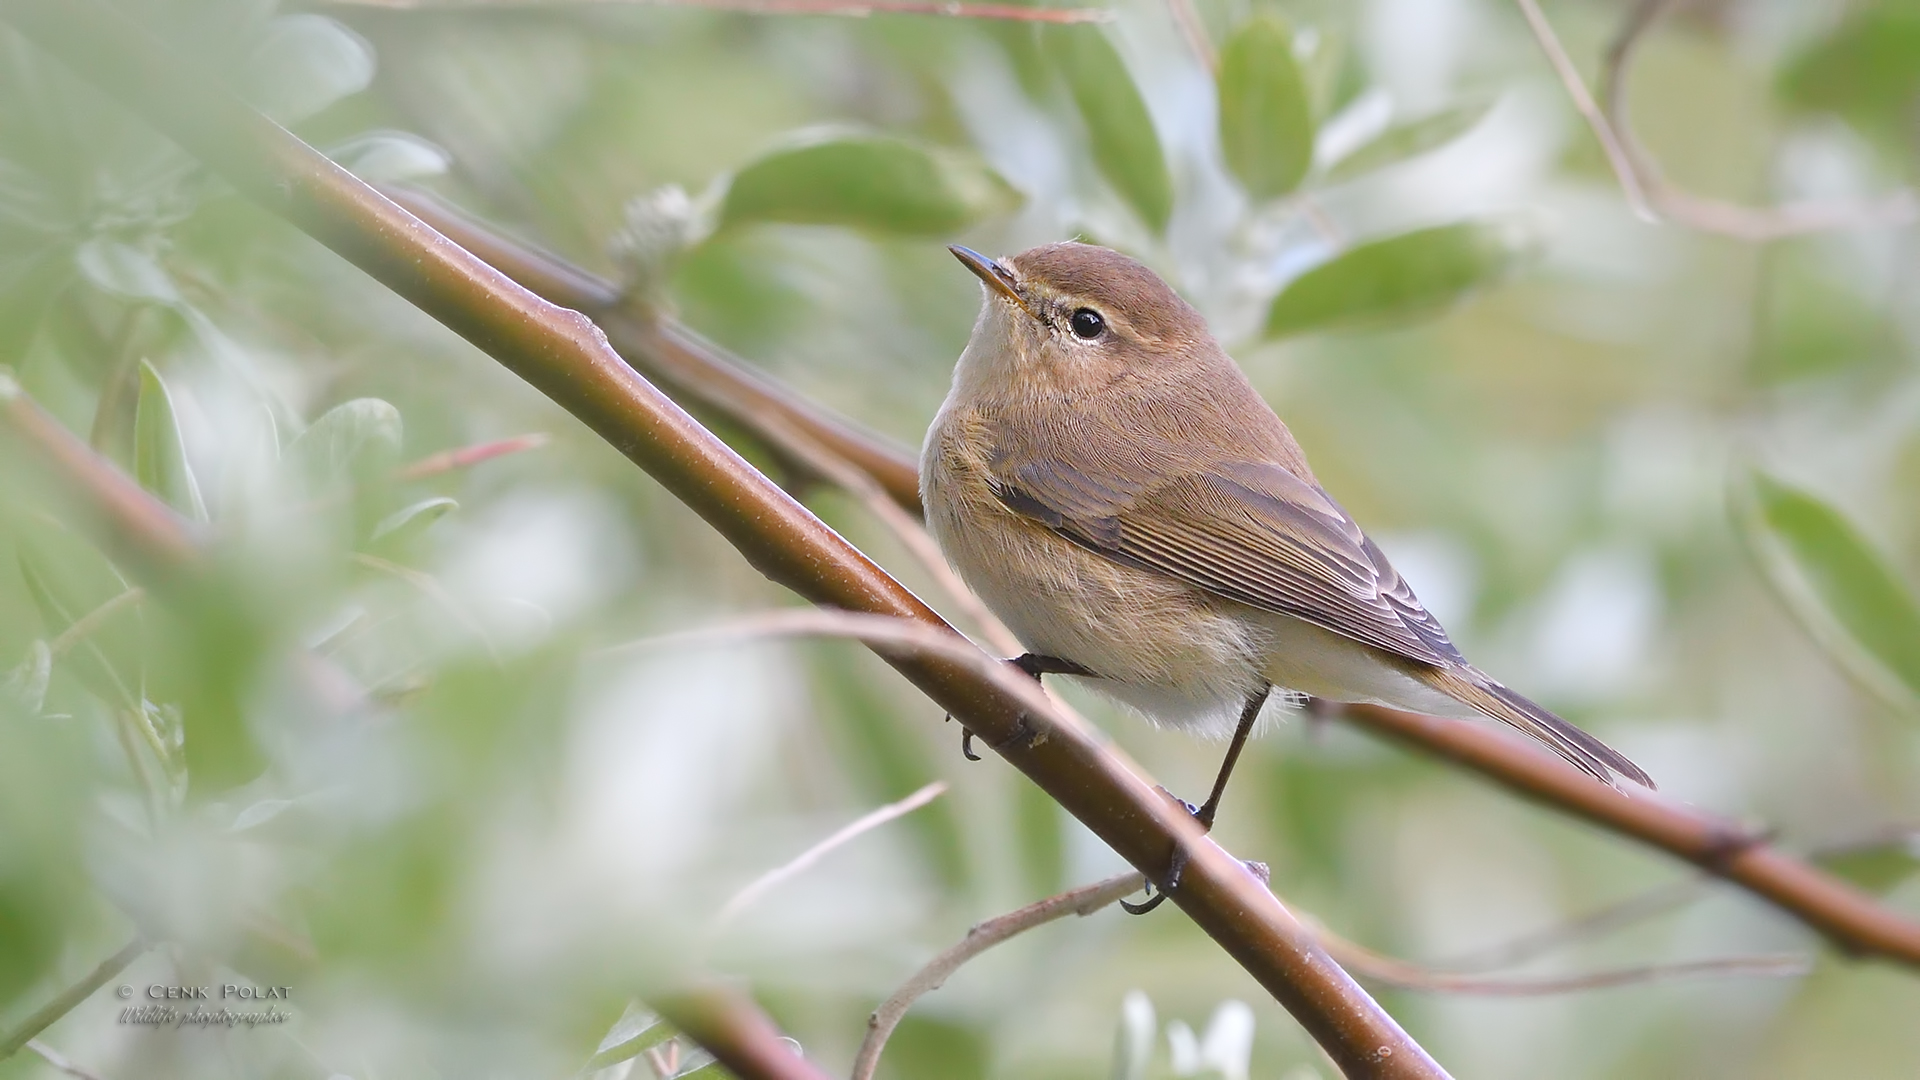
(1113,488)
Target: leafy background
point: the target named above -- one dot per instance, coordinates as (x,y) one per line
(1667,482)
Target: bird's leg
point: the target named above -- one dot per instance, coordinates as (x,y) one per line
(1035,665)
(1249,713)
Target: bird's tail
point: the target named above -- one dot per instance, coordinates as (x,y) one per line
(1584,752)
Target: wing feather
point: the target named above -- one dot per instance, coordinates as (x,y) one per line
(1247,531)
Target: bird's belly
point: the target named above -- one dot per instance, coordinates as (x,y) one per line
(1312,660)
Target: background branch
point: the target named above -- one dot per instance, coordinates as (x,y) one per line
(562,354)
(981,937)
(1391,971)
(866,823)
(141,530)
(65,1001)
(1646,188)
(687,365)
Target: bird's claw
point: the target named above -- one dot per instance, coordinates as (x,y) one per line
(1174,869)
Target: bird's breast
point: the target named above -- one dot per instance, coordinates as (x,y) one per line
(1175,653)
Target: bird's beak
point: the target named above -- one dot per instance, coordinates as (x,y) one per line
(998,278)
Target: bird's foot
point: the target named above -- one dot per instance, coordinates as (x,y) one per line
(1175,867)
(1204,816)
(1034,665)
(1026,735)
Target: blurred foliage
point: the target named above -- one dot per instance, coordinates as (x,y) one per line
(1401,277)
(1668,484)
(1266,121)
(869,182)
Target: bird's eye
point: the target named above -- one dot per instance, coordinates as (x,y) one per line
(1087,324)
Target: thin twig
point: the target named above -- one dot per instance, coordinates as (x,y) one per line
(857,9)
(1576,87)
(1187,17)
(983,936)
(780,875)
(59,1061)
(1636,908)
(1655,199)
(85,625)
(1854,921)
(1405,975)
(881,631)
(65,1001)
(448,460)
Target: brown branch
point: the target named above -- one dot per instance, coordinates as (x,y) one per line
(142,530)
(983,936)
(1646,187)
(1854,922)
(728,1025)
(562,354)
(65,1002)
(855,9)
(680,360)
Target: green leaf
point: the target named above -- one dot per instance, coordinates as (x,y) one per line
(1125,146)
(125,270)
(1399,278)
(866,181)
(353,442)
(1266,121)
(27,682)
(1854,588)
(1868,71)
(401,526)
(637,1031)
(305,63)
(389,157)
(1409,139)
(159,455)
(1876,865)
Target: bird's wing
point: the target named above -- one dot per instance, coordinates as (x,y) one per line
(1249,531)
